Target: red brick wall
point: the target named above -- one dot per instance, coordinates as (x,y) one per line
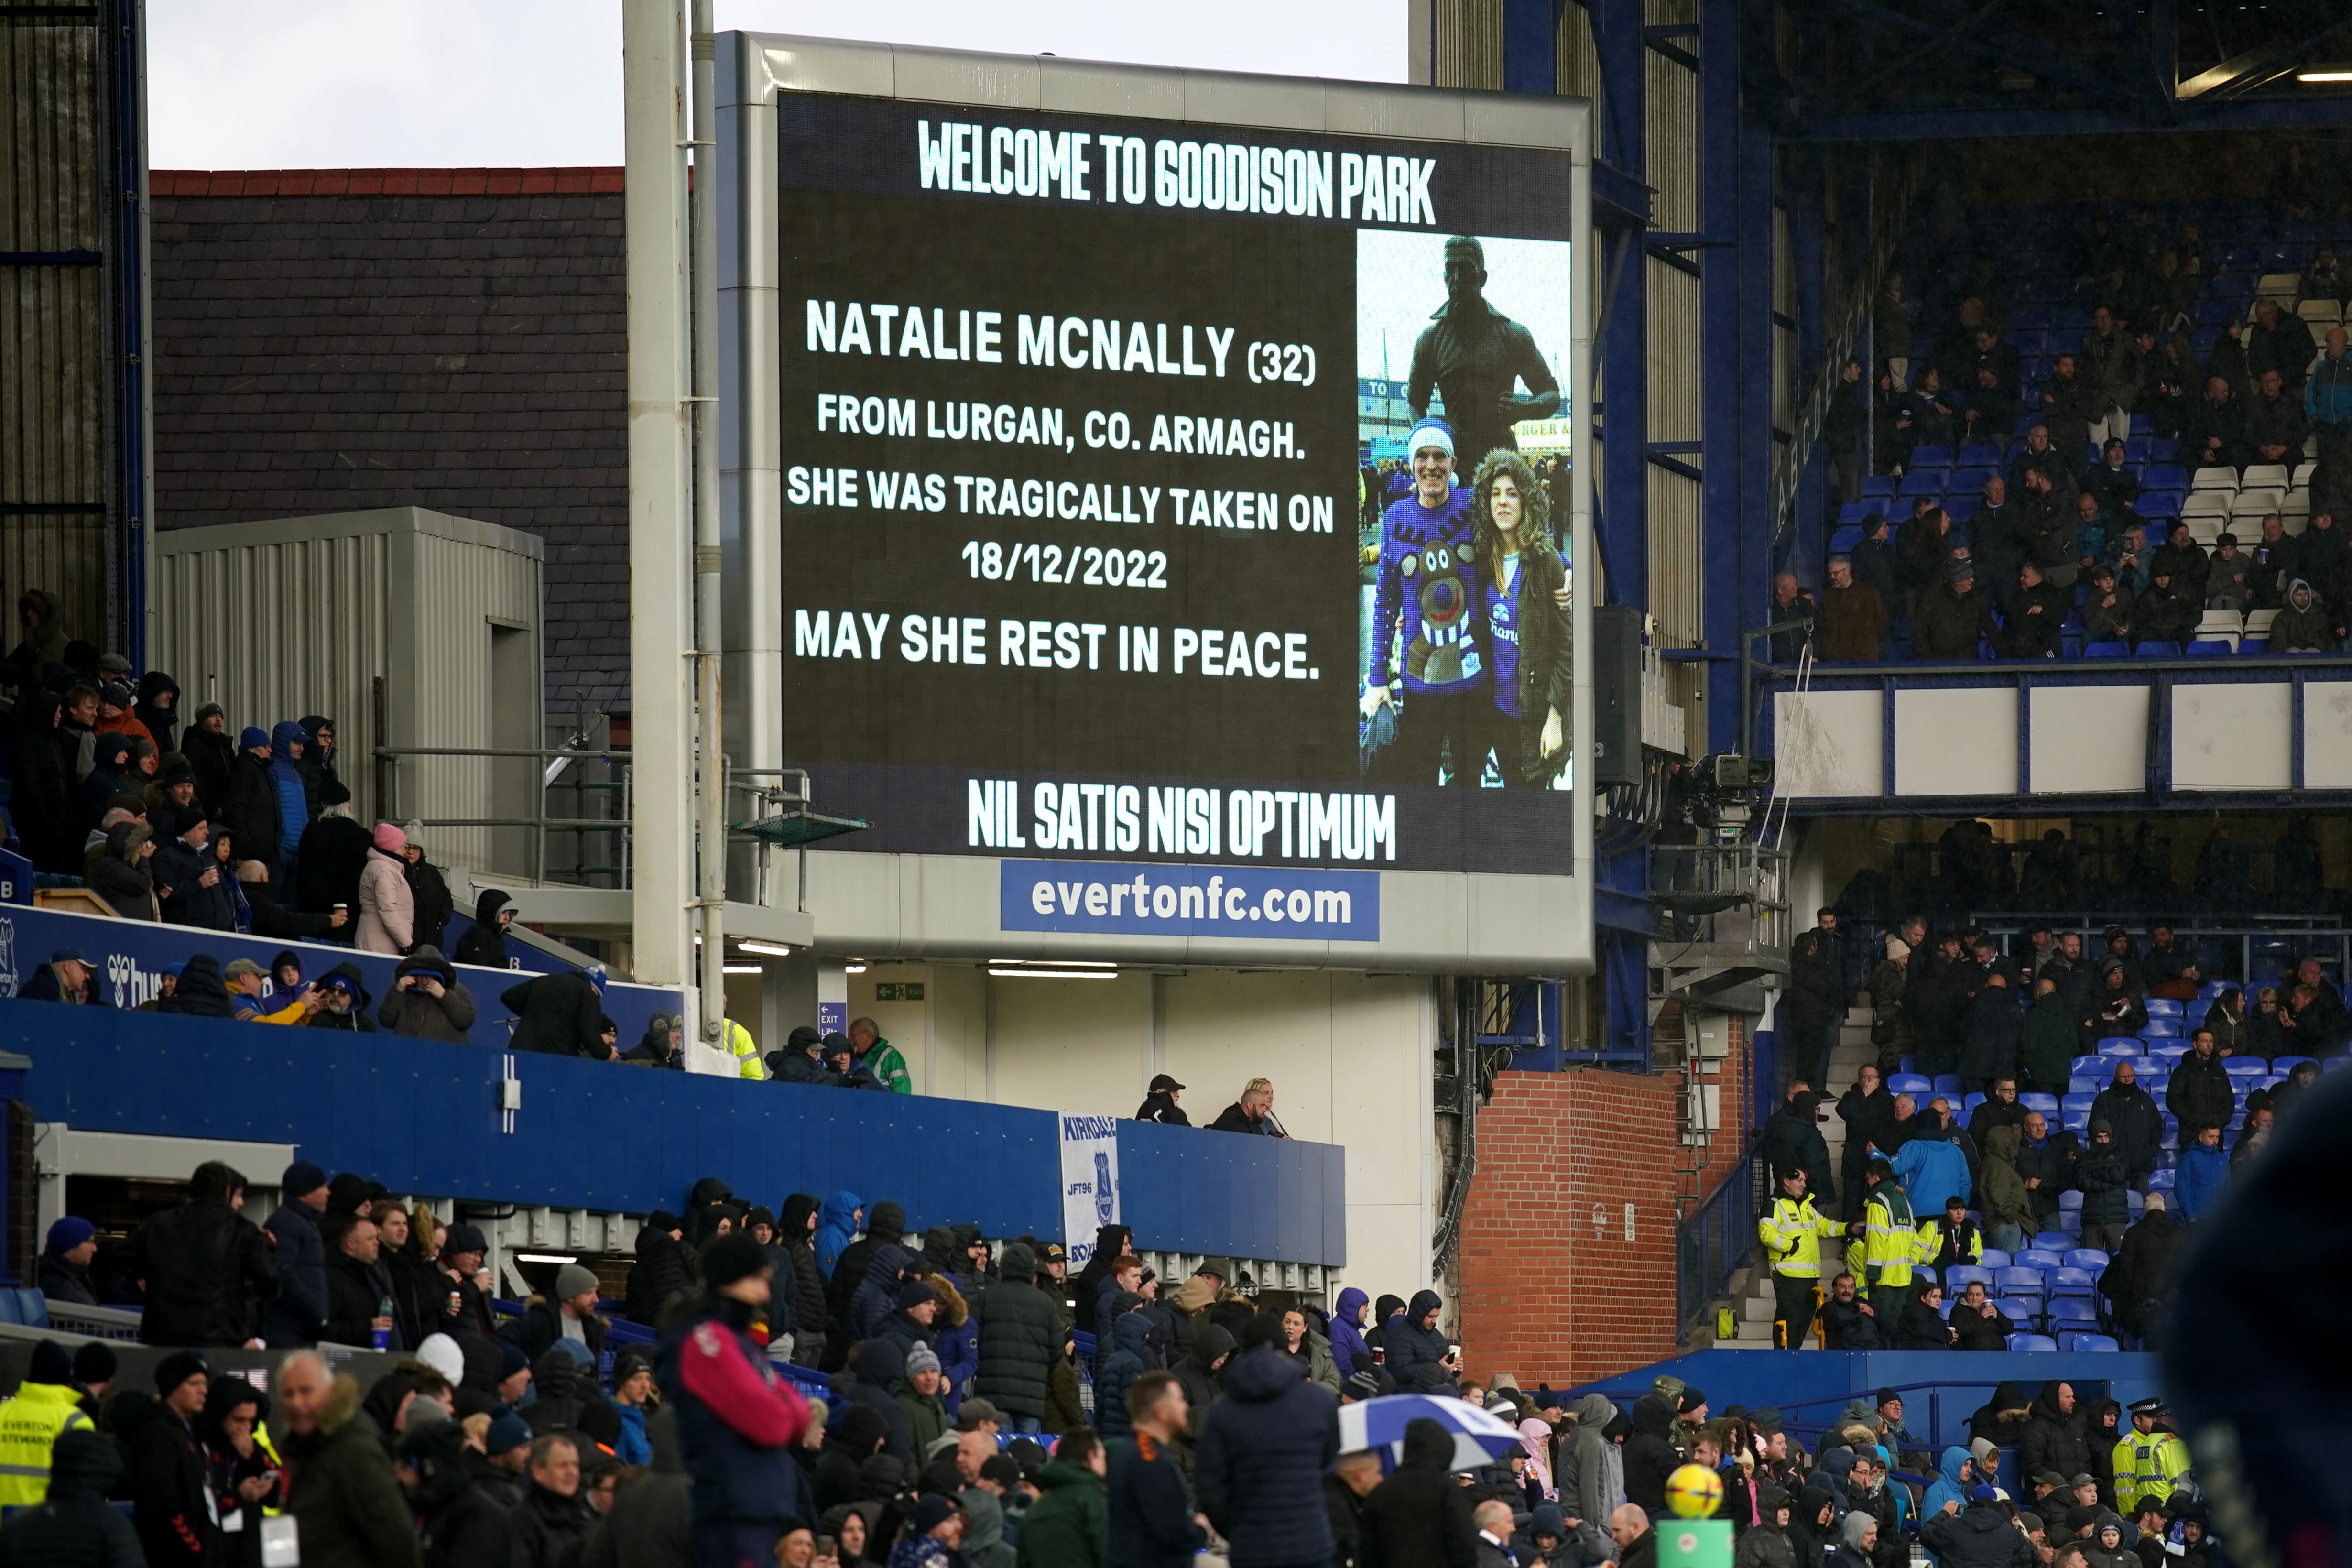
(1542,1296)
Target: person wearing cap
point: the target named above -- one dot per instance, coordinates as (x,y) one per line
(117,700)
(252,808)
(1951,616)
(190,884)
(247,982)
(172,1502)
(293,1319)
(566,1313)
(738,1418)
(462,1285)
(917,1394)
(44,1405)
(1159,1104)
(559,1015)
(64,1272)
(1423,594)
(1793,1139)
(2149,1461)
(933,1531)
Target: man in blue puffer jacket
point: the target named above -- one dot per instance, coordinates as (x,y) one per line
(1412,1340)
(1128,1361)
(738,1419)
(1264,1448)
(286,743)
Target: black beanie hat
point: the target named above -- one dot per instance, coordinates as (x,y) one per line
(95,1363)
(731,1258)
(176,1369)
(50,1364)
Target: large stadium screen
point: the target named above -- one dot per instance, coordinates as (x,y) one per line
(1175,492)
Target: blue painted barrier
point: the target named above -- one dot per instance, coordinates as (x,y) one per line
(130,956)
(423,1117)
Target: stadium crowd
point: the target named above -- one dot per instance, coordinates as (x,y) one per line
(819,1384)
(2139,445)
(2032,1137)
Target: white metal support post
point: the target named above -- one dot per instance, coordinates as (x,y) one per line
(711,812)
(661,698)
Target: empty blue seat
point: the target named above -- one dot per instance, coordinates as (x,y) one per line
(2164,477)
(2159,1180)
(2084,1084)
(2253,647)
(2036,1257)
(1994,1257)
(1968,480)
(1844,539)
(2088,1258)
(1948,1083)
(1910,1083)
(2071,1282)
(1931,457)
(2073,1310)
(2023,1311)
(2070,1201)
(1854,514)
(2156,650)
(2246,1066)
(2137,447)
(1924,482)
(2076,1122)
(2211,990)
(8,1311)
(1959,508)
(2164,450)
(2016,1280)
(2161,1007)
(2060,1242)
(2107,651)
(2161,1029)
(2209,648)
(2079,1343)
(1879,485)
(1961,1276)
(2093,1065)
(1978,454)
(2022,1342)
(2167,1052)
(2077,1101)
(1969,1106)
(2045,1103)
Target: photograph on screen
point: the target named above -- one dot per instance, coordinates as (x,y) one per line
(1463,536)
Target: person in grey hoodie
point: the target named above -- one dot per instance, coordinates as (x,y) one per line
(1591,1480)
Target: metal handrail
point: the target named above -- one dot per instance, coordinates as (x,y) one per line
(1717,1238)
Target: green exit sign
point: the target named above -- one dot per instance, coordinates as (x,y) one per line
(888,991)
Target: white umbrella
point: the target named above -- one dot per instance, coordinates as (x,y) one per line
(1379,1425)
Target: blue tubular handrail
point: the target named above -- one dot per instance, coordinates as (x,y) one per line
(1716,1238)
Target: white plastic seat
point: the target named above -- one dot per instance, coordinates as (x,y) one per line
(2265,476)
(2320,312)
(2275,283)
(2206,503)
(2219,477)
(2293,523)
(2215,623)
(2303,472)
(2255,503)
(2258,622)
(2203,529)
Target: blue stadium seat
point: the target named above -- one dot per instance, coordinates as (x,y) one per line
(1842,541)
(1930,482)
(2035,1258)
(2212,989)
(2137,448)
(2073,1280)
(1961,1276)
(1854,514)
(1948,1083)
(2023,1310)
(2083,1083)
(2058,1241)
(1969,1106)
(2072,1309)
(2246,1066)
(2121,1046)
(1910,1083)
(2209,648)
(2161,1029)
(2157,504)
(9,1313)
(2107,651)
(2167,1051)
(2077,1100)
(2080,1344)
(2018,1281)
(2045,1103)
(1878,485)
(1978,454)
(2163,449)
(2253,647)
(2164,477)
(2156,650)
(1994,1257)
(1931,457)
(2076,1122)
(2070,1202)
(2161,1007)
(2285,1066)
(1959,508)
(2022,1342)
(1970,480)
(2093,1066)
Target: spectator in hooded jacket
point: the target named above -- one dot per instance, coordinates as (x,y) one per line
(1413,1342)
(1263,1452)
(484,941)
(427,1001)
(2131,1114)
(1350,1354)
(561,1015)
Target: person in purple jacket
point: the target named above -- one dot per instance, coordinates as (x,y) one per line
(1426,598)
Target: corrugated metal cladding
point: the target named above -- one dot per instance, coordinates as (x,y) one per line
(282,619)
(1468,45)
(55,201)
(1671,124)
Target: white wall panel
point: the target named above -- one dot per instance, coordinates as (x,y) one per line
(2088,740)
(1830,744)
(1956,741)
(2327,734)
(2233,735)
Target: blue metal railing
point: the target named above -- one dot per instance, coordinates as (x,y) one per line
(1717,1238)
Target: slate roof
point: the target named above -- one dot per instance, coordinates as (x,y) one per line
(328,340)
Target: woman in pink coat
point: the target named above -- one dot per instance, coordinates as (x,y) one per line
(387,911)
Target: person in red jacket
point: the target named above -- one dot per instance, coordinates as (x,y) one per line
(738,1418)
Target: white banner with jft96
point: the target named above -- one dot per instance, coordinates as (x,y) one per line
(1089,1181)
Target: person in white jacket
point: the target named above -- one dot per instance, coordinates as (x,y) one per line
(387,910)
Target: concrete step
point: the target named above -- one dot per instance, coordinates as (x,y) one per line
(1757,1309)
(1753,1333)
(1861,1013)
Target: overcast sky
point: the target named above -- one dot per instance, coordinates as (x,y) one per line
(325,84)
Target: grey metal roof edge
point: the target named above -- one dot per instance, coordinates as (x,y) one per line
(350,524)
(773,63)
